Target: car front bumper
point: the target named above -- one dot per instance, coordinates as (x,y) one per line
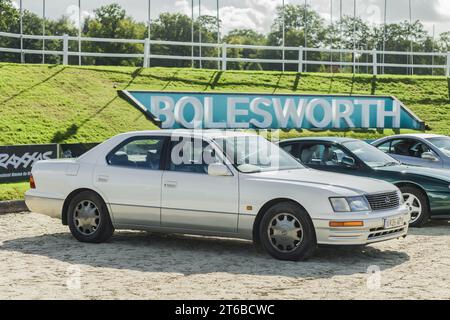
(373,229)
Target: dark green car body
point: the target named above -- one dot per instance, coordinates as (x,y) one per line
(434,182)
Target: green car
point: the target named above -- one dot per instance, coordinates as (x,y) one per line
(426,192)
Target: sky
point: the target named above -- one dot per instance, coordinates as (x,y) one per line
(259,14)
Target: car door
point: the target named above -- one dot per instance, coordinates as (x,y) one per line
(130,178)
(192,199)
(409,151)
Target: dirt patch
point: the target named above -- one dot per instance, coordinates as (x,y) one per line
(39,259)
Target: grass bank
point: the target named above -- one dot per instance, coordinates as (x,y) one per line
(42,103)
(46,103)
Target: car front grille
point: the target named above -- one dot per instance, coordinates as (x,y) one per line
(383,201)
(381,232)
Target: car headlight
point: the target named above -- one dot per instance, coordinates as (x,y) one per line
(350,204)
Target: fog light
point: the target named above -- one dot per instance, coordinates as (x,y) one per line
(335,224)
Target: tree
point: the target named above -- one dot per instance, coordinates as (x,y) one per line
(298,22)
(403,36)
(177,27)
(111,21)
(9,22)
(241,37)
(444,41)
(59,27)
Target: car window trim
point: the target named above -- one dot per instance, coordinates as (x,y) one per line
(135,138)
(292,144)
(211,143)
(410,140)
(359,164)
(389,141)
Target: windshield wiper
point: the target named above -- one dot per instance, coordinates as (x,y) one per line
(390,164)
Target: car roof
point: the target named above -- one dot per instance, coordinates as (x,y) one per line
(205,133)
(415,135)
(321,139)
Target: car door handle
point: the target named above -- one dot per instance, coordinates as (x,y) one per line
(102,178)
(170,184)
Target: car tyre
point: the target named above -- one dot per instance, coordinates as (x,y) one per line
(286,232)
(417,204)
(89,219)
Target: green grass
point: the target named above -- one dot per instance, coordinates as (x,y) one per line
(13,191)
(45,103)
(42,104)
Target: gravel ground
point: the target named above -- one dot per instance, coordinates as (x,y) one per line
(40,260)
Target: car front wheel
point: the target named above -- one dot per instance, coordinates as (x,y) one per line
(417,204)
(287,233)
(89,219)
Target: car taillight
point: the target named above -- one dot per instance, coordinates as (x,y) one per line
(32,183)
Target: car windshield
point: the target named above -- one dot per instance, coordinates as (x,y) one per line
(370,155)
(250,154)
(442,143)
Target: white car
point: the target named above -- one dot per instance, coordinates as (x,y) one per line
(213,183)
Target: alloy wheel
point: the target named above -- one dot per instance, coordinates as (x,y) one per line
(86,217)
(285,232)
(414,206)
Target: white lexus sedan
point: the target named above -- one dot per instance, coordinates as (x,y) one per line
(214,183)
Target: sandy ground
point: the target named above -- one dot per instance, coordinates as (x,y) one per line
(40,260)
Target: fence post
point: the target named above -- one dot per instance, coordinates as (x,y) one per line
(146,52)
(224,56)
(375,62)
(300,59)
(448,64)
(354,61)
(65,49)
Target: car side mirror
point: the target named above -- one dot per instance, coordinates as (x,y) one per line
(348,161)
(218,170)
(429,156)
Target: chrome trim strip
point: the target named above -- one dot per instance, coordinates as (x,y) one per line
(178,209)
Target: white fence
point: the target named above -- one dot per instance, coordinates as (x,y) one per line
(375,64)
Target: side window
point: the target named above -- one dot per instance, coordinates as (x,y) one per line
(140,152)
(293,149)
(191,155)
(385,147)
(312,154)
(324,155)
(419,148)
(408,148)
(401,147)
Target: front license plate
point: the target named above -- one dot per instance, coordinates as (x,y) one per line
(393,222)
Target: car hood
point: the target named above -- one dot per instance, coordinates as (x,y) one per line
(343,181)
(441,174)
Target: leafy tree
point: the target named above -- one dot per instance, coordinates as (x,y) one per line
(298,20)
(403,36)
(178,27)
(172,27)
(9,22)
(59,27)
(444,41)
(9,17)
(111,21)
(244,37)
